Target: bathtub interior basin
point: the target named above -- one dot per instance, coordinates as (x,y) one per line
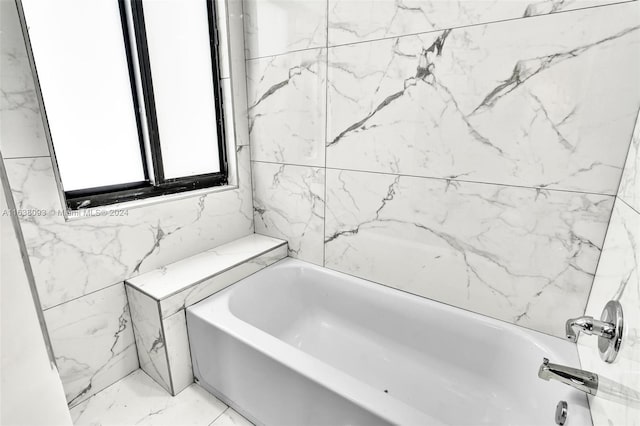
(300,344)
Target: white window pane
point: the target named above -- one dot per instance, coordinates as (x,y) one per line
(180,57)
(82,67)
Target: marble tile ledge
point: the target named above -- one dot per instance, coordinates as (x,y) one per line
(157,301)
(190,280)
(137,399)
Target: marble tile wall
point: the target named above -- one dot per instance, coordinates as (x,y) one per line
(453,132)
(485,248)
(618,278)
(353,21)
(629,190)
(80,264)
(158,299)
(442,105)
(27,373)
(289,204)
(286,107)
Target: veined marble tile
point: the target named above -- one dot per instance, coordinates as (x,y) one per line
(526,102)
(360,20)
(158,298)
(73,258)
(150,337)
(629,189)
(617,278)
(287,103)
(138,400)
(279,26)
(521,255)
(178,352)
(289,204)
(93,342)
(19,110)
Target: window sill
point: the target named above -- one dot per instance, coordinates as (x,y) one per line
(115,210)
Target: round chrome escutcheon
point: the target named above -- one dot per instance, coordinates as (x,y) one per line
(610,346)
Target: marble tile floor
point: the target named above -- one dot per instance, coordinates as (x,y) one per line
(138,400)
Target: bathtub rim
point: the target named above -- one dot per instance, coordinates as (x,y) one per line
(217,307)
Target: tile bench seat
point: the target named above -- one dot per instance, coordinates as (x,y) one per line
(158,298)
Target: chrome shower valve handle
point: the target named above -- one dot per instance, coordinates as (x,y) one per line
(590,326)
(608,329)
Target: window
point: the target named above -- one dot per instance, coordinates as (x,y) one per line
(132,96)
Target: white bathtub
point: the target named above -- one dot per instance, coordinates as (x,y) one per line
(297,344)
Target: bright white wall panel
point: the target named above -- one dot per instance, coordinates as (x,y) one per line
(180,57)
(82,67)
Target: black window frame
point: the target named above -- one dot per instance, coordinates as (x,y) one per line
(159,185)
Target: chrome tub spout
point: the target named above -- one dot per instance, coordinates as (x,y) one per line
(582,380)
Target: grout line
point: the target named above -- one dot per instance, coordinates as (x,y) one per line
(441,178)
(369,280)
(220,415)
(172,389)
(83,295)
(275,55)
(113,384)
(627,204)
(478,24)
(186,331)
(616,198)
(624,160)
(595,271)
(246,95)
(133,331)
(326,131)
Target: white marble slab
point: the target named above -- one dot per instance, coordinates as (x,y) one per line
(521,255)
(360,20)
(93,342)
(289,204)
(19,110)
(178,353)
(150,337)
(617,278)
(177,277)
(287,103)
(280,26)
(496,103)
(73,258)
(138,400)
(629,189)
